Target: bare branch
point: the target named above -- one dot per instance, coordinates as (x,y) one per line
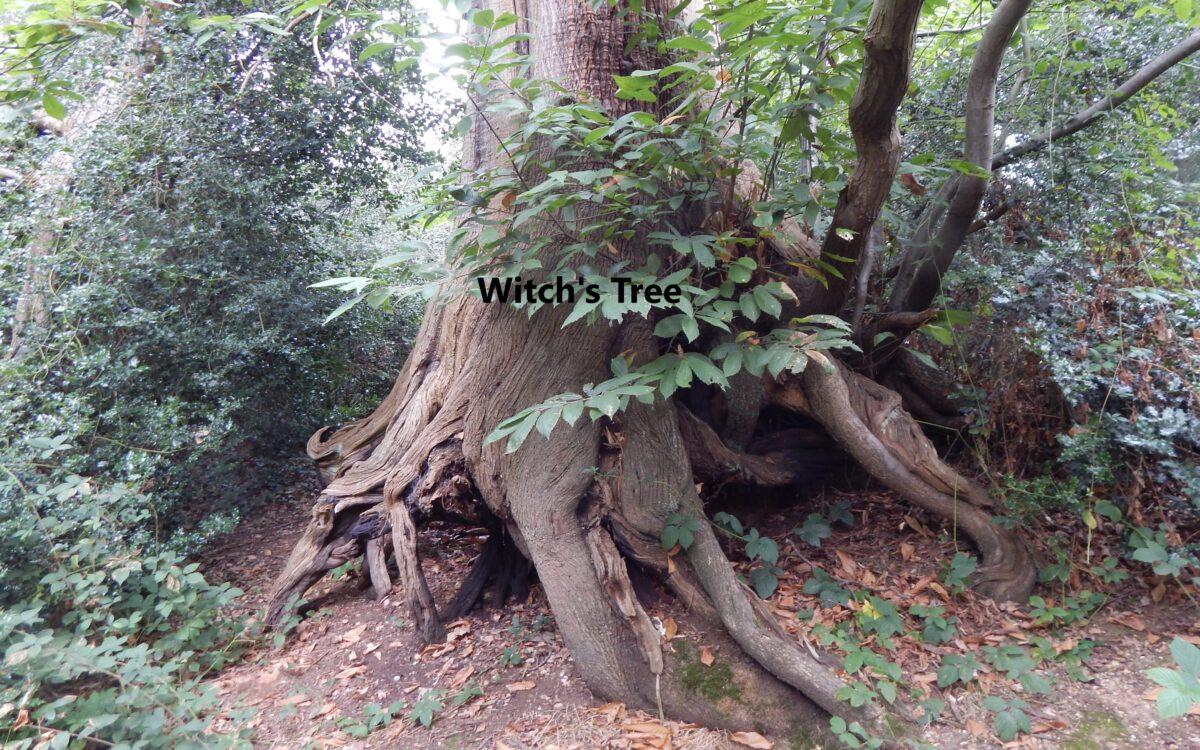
(947,220)
(1080,120)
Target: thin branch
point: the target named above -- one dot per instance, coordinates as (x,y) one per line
(1080,120)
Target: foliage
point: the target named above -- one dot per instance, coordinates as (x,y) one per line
(184,353)
(375,717)
(1180,687)
(427,706)
(1009,716)
(183,358)
(107,635)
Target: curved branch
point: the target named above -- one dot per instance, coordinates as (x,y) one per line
(889,42)
(948,218)
(1080,120)
(951,215)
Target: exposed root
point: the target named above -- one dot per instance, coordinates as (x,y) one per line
(375,560)
(420,601)
(757,633)
(471,589)
(331,539)
(868,422)
(614,578)
(713,460)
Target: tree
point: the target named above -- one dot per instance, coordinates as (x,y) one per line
(631,135)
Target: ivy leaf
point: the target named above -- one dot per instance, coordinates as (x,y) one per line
(424,710)
(762,548)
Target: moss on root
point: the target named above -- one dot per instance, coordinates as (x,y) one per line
(714,682)
(803,739)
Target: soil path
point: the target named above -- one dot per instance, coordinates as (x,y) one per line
(353,674)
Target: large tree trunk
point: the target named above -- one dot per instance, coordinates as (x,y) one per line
(588,502)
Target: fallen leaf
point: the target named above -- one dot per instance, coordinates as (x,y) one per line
(706,656)
(516,687)
(349,672)
(752,739)
(917,526)
(295,700)
(1158,592)
(847,562)
(461,676)
(613,710)
(353,636)
(909,181)
(1129,620)
(977,728)
(1048,726)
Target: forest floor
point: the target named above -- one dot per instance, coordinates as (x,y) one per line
(519,690)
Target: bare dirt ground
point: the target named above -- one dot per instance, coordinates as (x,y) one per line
(504,680)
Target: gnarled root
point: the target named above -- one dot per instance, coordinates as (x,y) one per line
(867,420)
(331,539)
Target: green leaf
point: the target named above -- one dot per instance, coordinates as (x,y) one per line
(763,548)
(54,108)
(814,530)
(888,690)
(373,49)
(1186,656)
(637,88)
(344,307)
(690,43)
(549,418)
(965,167)
(768,302)
(521,432)
(765,582)
(424,710)
(572,411)
(938,333)
(738,18)
(1172,703)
